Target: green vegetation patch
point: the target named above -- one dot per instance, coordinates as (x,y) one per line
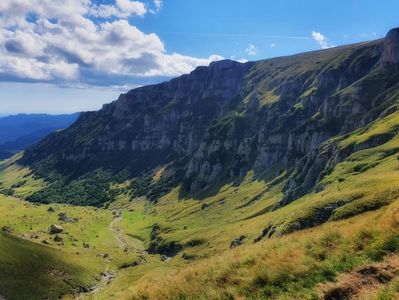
(31,271)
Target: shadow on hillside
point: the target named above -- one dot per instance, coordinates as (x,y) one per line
(270,177)
(31,271)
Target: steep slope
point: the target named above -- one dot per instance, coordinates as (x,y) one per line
(32,271)
(281,117)
(160,122)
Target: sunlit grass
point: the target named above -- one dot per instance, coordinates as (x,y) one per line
(286,268)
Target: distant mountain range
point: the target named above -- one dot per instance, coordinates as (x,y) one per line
(23,130)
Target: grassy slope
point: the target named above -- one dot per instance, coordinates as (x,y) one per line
(19,179)
(367,180)
(80,265)
(31,271)
(357,189)
(290,267)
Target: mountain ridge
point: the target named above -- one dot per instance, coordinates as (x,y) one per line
(183,123)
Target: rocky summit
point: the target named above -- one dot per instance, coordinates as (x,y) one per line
(219,122)
(391,47)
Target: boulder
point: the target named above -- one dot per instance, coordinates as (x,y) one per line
(165,258)
(55,229)
(237,242)
(62,217)
(58,239)
(129,265)
(204,206)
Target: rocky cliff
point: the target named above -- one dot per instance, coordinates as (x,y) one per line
(278,117)
(391,47)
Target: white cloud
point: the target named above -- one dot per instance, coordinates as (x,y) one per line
(321,40)
(131,7)
(60,42)
(241,60)
(157,5)
(251,50)
(121,9)
(273,45)
(23,43)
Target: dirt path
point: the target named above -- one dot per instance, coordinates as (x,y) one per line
(125,242)
(117,232)
(361,281)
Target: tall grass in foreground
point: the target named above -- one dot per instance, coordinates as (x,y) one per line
(286,268)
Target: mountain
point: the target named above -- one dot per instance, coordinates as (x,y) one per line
(275,179)
(23,130)
(278,116)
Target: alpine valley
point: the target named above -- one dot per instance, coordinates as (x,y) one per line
(275,179)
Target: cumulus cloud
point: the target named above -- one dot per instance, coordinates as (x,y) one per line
(321,40)
(121,9)
(77,42)
(251,50)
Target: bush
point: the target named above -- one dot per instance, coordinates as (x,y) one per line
(89,189)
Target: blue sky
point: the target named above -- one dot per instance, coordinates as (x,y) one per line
(77,55)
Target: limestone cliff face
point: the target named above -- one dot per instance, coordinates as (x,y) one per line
(391,47)
(219,122)
(149,125)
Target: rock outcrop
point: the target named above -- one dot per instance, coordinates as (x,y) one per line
(390,54)
(55,229)
(219,122)
(7,229)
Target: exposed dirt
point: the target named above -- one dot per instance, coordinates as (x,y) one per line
(125,242)
(104,279)
(361,281)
